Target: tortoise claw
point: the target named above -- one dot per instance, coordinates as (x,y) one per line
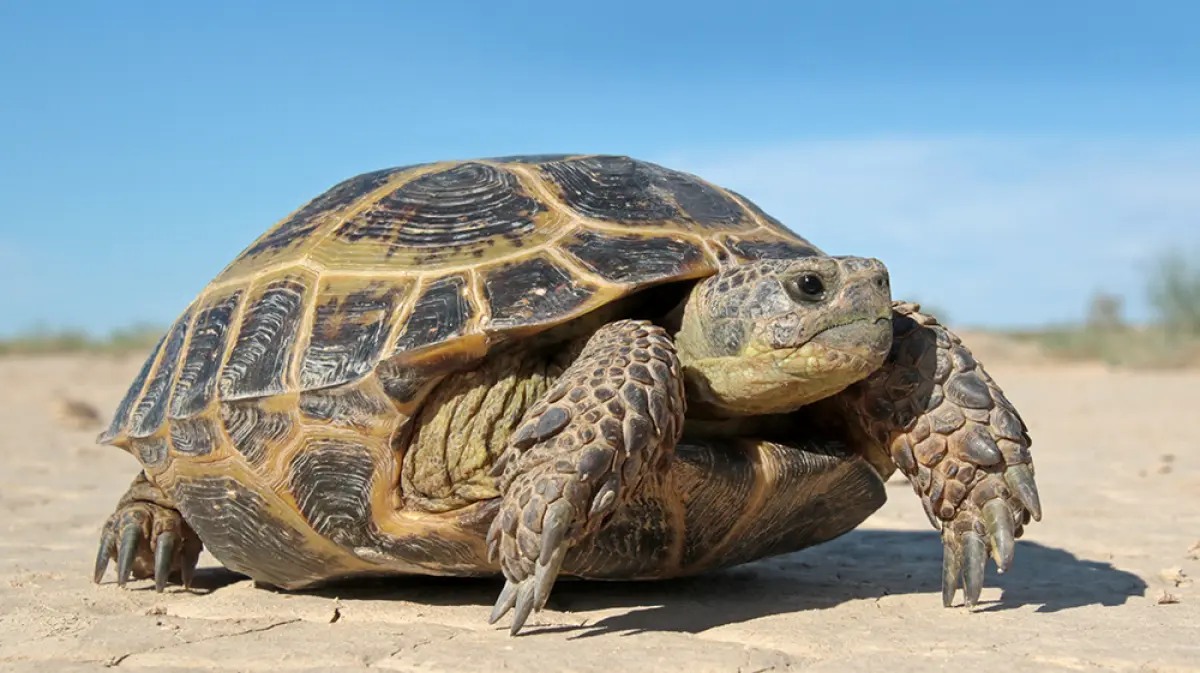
(951,570)
(1020,479)
(997,518)
(164,558)
(525,600)
(508,598)
(189,559)
(108,545)
(131,542)
(974,562)
(528,591)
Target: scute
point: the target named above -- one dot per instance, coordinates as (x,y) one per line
(532,291)
(634,259)
(197,382)
(151,409)
(350,328)
(624,191)
(450,215)
(259,362)
(121,415)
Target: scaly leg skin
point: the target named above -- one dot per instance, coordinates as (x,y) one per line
(608,425)
(148,538)
(962,445)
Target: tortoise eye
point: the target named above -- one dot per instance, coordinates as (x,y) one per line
(808,287)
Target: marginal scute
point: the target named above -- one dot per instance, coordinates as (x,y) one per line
(239,528)
(194,436)
(151,451)
(254,430)
(350,327)
(331,481)
(121,415)
(348,407)
(151,409)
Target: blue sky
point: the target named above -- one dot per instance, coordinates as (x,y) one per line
(1004,159)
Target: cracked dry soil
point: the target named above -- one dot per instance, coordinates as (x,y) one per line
(1118,466)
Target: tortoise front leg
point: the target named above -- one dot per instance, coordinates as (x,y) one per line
(608,425)
(948,427)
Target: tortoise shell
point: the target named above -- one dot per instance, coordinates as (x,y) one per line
(328,330)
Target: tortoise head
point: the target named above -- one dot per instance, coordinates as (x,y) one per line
(771,336)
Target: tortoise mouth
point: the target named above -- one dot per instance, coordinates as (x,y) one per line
(860,343)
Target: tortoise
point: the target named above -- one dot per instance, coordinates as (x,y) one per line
(586,366)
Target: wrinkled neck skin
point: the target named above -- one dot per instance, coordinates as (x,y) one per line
(753,343)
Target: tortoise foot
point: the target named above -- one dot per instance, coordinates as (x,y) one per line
(608,425)
(147,539)
(987,522)
(961,443)
(967,456)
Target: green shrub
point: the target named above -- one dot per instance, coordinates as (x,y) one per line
(1174,292)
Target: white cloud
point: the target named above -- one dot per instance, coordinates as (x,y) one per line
(996,230)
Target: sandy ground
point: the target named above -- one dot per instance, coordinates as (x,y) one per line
(1104,582)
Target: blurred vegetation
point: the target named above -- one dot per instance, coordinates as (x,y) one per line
(45,341)
(1171,339)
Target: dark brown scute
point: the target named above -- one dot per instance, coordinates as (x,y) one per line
(151,452)
(533,291)
(197,380)
(258,364)
(151,410)
(345,407)
(403,382)
(701,202)
(441,313)
(719,479)
(464,204)
(331,481)
(304,221)
(819,492)
(813,504)
(434,551)
(121,415)
(253,430)
(751,250)
(635,259)
(611,188)
(349,331)
(239,530)
(194,436)
(620,189)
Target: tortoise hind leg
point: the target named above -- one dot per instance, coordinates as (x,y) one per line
(604,433)
(148,538)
